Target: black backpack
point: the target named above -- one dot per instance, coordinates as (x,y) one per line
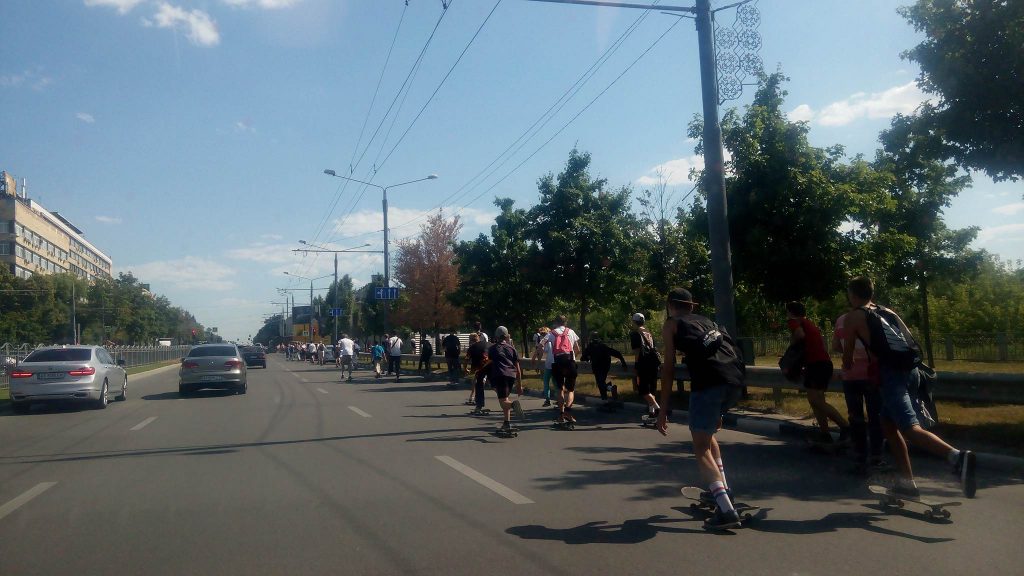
(889,344)
(648,355)
(711,354)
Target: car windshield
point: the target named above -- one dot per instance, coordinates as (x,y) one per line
(60,355)
(211,351)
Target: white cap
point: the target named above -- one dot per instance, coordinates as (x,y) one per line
(638,317)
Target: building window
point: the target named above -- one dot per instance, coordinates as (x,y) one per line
(5,248)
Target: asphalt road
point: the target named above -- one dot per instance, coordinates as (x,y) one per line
(309,475)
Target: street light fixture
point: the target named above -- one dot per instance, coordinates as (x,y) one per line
(384,190)
(310,294)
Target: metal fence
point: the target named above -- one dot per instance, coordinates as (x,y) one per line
(132,355)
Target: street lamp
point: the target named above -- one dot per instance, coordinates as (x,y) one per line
(384,190)
(310,296)
(317,249)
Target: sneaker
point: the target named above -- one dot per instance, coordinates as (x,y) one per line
(907,491)
(708,500)
(723,520)
(546,403)
(965,469)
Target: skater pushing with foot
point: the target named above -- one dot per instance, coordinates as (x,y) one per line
(505,372)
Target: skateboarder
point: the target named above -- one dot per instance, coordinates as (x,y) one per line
(549,358)
(716,376)
(564,344)
(818,372)
(377,356)
(452,349)
(860,394)
(600,357)
(394,347)
(646,365)
(347,354)
(893,348)
(504,373)
(476,356)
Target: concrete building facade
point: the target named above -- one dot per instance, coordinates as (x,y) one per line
(34,240)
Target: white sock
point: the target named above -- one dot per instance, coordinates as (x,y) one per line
(721,497)
(953,456)
(906,483)
(721,470)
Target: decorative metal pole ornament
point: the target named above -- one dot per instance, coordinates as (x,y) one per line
(736,51)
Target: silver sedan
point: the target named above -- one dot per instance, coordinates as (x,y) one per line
(212,366)
(78,373)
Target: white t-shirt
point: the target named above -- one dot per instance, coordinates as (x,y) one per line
(347,346)
(311,348)
(483,336)
(573,338)
(396,345)
(549,355)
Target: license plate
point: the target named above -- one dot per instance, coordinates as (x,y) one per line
(50,375)
(210,378)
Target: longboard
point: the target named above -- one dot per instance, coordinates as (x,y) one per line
(648,421)
(935,510)
(745,511)
(481,412)
(500,432)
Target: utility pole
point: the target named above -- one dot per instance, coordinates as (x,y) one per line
(714,171)
(320,249)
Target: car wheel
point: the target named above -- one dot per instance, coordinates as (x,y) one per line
(124,391)
(242,389)
(102,402)
(264,365)
(183,391)
(21,407)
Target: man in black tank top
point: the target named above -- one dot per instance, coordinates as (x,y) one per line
(716,374)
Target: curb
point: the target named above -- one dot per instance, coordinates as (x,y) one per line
(764,426)
(153,372)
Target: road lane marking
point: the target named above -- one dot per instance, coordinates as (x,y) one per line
(29,494)
(143,424)
(495,486)
(303,379)
(322,391)
(360,412)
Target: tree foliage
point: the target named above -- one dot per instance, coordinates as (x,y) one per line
(972,58)
(425,267)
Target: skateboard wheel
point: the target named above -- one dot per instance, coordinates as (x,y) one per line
(945,514)
(929,514)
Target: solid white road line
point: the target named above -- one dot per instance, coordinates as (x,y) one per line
(143,424)
(29,494)
(303,379)
(360,412)
(322,391)
(510,494)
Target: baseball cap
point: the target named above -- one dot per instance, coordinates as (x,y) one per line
(681,296)
(638,318)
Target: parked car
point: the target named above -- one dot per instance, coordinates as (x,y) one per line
(77,373)
(219,366)
(254,356)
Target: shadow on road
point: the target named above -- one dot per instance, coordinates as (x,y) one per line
(601,532)
(198,394)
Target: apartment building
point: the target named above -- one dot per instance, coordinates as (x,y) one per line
(34,240)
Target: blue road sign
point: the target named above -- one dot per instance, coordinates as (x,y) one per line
(382,293)
(334,312)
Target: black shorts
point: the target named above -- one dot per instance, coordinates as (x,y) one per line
(817,375)
(564,372)
(647,380)
(502,385)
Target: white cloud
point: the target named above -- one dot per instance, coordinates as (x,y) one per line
(266,253)
(188,273)
(85,117)
(35,79)
(406,221)
(1005,233)
(108,219)
(266,4)
(200,29)
(1009,209)
(271,236)
(244,126)
(674,172)
(899,99)
(122,6)
(802,113)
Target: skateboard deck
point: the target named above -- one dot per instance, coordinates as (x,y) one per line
(500,432)
(935,510)
(649,421)
(745,511)
(566,425)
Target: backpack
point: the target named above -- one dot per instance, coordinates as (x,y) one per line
(888,343)
(649,355)
(562,343)
(711,354)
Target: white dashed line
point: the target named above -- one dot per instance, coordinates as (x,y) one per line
(495,486)
(360,412)
(322,391)
(303,379)
(29,494)
(143,424)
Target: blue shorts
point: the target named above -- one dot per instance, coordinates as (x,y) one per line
(708,406)
(899,393)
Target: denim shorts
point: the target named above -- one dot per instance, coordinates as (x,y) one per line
(899,388)
(707,407)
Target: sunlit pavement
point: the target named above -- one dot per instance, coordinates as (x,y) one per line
(307,474)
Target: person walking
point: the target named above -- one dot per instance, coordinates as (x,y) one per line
(376,356)
(387,353)
(818,372)
(395,358)
(565,343)
(716,377)
(647,363)
(549,358)
(336,352)
(476,356)
(860,394)
(452,349)
(600,357)
(892,346)
(504,372)
(483,335)
(426,353)
(348,353)
(321,352)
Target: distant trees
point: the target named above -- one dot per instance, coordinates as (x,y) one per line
(425,267)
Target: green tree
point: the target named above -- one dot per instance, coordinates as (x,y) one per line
(972,58)
(425,266)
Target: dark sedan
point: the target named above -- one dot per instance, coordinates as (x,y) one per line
(254,356)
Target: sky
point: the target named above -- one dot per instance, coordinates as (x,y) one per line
(189,138)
